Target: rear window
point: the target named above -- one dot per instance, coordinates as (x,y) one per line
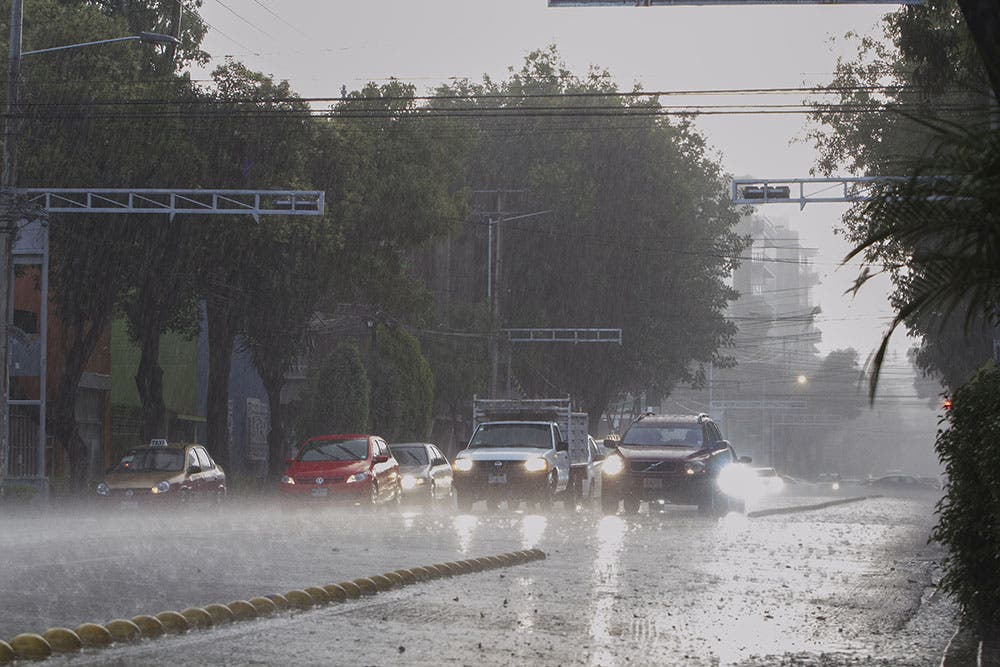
(664,435)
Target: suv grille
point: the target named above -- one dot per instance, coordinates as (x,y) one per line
(656,468)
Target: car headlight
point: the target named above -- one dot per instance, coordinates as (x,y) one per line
(536,465)
(287,480)
(357,477)
(694,467)
(836,486)
(462,465)
(103,489)
(411,482)
(161,487)
(613,465)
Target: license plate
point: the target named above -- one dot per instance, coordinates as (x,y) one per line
(129,504)
(650,483)
(319,493)
(498,479)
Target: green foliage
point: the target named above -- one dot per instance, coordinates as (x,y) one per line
(337,395)
(402,386)
(459,357)
(637,234)
(969,514)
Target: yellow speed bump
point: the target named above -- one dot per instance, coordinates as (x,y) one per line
(395,578)
(506,559)
(150,626)
(461,566)
(123,631)
(318,595)
(242,610)
(298,599)
(351,588)
(366,585)
(538,554)
(382,582)
(422,573)
(93,635)
(407,576)
(6,653)
(198,618)
(173,622)
(279,600)
(336,592)
(31,646)
(264,606)
(220,613)
(62,640)
(485,563)
(436,571)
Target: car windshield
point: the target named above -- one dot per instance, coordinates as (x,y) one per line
(512,435)
(664,435)
(410,456)
(335,450)
(151,460)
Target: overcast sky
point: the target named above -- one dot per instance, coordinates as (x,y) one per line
(320,46)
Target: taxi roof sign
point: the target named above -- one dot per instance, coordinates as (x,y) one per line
(158,442)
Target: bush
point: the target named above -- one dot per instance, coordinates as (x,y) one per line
(969,513)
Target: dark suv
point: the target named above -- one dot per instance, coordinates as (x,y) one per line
(675,458)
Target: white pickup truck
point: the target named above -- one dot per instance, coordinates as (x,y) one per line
(522,449)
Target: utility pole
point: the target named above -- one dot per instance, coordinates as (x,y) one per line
(8,214)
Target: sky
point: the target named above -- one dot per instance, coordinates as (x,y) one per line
(320,46)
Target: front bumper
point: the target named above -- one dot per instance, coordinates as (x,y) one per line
(679,489)
(356,492)
(509,479)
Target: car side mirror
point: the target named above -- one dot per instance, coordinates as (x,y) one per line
(380,458)
(562,446)
(194,470)
(612,443)
(745,460)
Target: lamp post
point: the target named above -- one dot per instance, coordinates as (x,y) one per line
(8,190)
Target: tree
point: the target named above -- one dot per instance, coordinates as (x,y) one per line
(402,386)
(637,234)
(337,396)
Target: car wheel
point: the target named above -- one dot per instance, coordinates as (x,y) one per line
(220,497)
(545,500)
(631,504)
(463,502)
(609,504)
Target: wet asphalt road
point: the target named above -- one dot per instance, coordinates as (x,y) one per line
(852,584)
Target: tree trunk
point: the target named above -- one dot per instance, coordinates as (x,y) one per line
(221,333)
(149,382)
(983,20)
(61,416)
(276,453)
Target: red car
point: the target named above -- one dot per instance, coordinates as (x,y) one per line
(354,468)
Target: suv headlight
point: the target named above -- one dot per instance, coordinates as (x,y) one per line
(694,467)
(613,465)
(536,465)
(161,487)
(287,480)
(462,465)
(103,489)
(357,477)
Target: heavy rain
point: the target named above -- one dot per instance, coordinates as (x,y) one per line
(545,332)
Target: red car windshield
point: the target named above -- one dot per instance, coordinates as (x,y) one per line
(335,450)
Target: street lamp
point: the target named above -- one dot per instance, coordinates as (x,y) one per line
(8,190)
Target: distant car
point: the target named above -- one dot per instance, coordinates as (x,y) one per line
(770,481)
(903,483)
(426,473)
(355,468)
(681,459)
(163,472)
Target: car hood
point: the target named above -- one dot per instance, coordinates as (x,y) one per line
(416,471)
(656,453)
(326,468)
(139,480)
(502,453)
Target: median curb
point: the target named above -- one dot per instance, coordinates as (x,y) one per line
(34,647)
(808,508)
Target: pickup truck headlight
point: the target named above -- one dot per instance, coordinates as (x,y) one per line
(536,465)
(462,465)
(613,465)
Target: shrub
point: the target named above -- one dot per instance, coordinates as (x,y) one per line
(969,513)
(402,387)
(336,398)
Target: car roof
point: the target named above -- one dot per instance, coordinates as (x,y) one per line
(340,436)
(408,444)
(673,419)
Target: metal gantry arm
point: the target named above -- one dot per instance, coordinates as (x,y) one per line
(175,202)
(564,335)
(802,191)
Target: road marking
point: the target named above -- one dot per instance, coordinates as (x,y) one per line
(808,508)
